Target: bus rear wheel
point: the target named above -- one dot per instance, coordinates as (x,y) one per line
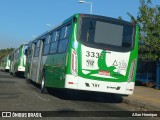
(14,74)
(43,88)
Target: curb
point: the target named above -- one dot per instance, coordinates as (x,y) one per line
(140,105)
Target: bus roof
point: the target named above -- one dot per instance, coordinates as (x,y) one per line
(84,15)
(43,34)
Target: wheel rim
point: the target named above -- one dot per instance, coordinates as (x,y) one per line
(42,84)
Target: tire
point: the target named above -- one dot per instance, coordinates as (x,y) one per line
(28,81)
(27,76)
(116,98)
(14,74)
(43,88)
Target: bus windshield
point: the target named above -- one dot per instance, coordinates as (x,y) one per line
(102,32)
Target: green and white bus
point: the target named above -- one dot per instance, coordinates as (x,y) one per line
(86,52)
(1,65)
(5,63)
(18,60)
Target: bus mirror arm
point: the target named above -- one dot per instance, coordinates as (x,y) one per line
(26,52)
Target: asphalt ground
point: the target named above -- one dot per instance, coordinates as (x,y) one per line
(16,94)
(144,98)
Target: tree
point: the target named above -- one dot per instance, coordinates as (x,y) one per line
(120,18)
(5,52)
(148,19)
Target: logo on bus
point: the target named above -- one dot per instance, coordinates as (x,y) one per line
(116,88)
(90,63)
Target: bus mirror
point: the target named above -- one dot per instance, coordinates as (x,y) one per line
(26,51)
(75,19)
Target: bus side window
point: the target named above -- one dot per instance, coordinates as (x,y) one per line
(29,50)
(47,45)
(37,49)
(64,38)
(54,42)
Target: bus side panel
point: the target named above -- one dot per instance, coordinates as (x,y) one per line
(133,59)
(22,59)
(30,63)
(34,68)
(17,60)
(57,66)
(71,72)
(55,70)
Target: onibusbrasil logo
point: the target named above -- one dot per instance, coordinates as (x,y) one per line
(21,114)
